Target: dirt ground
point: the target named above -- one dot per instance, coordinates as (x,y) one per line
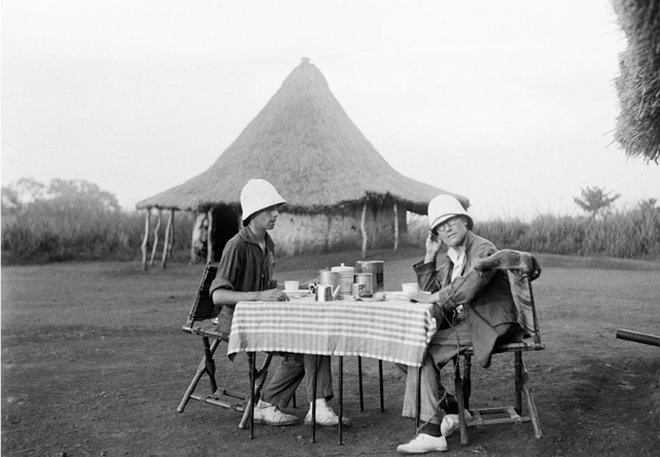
(94,362)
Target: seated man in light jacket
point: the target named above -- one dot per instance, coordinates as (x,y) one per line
(470,310)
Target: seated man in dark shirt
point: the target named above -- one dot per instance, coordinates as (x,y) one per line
(245,273)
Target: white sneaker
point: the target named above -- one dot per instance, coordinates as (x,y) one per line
(450,423)
(422,444)
(326,416)
(270,415)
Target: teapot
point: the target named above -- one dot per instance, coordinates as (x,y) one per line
(323,293)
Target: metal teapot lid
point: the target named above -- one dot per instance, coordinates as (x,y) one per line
(342,269)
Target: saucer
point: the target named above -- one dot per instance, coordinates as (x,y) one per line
(297,293)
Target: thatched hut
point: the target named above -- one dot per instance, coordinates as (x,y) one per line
(340,191)
(638,85)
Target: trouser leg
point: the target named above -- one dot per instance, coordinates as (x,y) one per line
(323,377)
(281,387)
(279,390)
(430,394)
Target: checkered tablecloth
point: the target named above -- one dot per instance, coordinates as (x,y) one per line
(393,330)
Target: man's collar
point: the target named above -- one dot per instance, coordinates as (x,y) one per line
(454,255)
(248,236)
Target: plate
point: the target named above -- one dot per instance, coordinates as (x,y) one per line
(398,295)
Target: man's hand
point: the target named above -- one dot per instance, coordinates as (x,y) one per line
(422,297)
(272,295)
(433,245)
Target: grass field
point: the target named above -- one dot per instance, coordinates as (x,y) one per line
(94,363)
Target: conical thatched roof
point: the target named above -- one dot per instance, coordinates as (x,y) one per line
(303,142)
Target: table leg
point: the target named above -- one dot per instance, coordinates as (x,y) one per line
(316,370)
(252,359)
(418,397)
(380,384)
(360,382)
(341,399)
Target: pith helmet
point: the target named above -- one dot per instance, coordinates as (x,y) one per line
(444,207)
(258,194)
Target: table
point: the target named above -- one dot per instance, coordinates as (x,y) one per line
(393,330)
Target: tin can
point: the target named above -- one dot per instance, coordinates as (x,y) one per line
(365,285)
(328,278)
(346,278)
(376,268)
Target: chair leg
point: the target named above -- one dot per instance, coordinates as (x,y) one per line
(533,413)
(458,388)
(521,386)
(519,382)
(206,365)
(467,381)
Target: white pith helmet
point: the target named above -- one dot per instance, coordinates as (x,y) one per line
(444,207)
(258,194)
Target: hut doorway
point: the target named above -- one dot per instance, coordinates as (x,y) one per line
(225,225)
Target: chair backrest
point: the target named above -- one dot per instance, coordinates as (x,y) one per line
(523,297)
(203,306)
(522,269)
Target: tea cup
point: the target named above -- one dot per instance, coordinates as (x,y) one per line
(291,286)
(410,287)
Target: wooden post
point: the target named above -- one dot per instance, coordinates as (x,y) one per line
(145,240)
(396,227)
(167,248)
(154,248)
(363,229)
(209,238)
(172,237)
(193,256)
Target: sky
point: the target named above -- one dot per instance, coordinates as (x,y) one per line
(511,103)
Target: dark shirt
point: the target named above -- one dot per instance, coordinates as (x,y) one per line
(244,267)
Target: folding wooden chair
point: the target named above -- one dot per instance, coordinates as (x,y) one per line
(522,268)
(201,322)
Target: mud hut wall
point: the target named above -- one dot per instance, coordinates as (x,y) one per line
(335,230)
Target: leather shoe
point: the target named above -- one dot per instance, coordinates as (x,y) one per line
(422,444)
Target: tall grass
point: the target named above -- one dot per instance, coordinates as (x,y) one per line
(46,233)
(631,234)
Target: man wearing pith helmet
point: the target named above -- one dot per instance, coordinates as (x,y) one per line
(245,273)
(477,311)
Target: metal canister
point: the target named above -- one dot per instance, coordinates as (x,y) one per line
(328,278)
(345,279)
(376,268)
(365,285)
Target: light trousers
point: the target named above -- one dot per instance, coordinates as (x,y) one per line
(444,345)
